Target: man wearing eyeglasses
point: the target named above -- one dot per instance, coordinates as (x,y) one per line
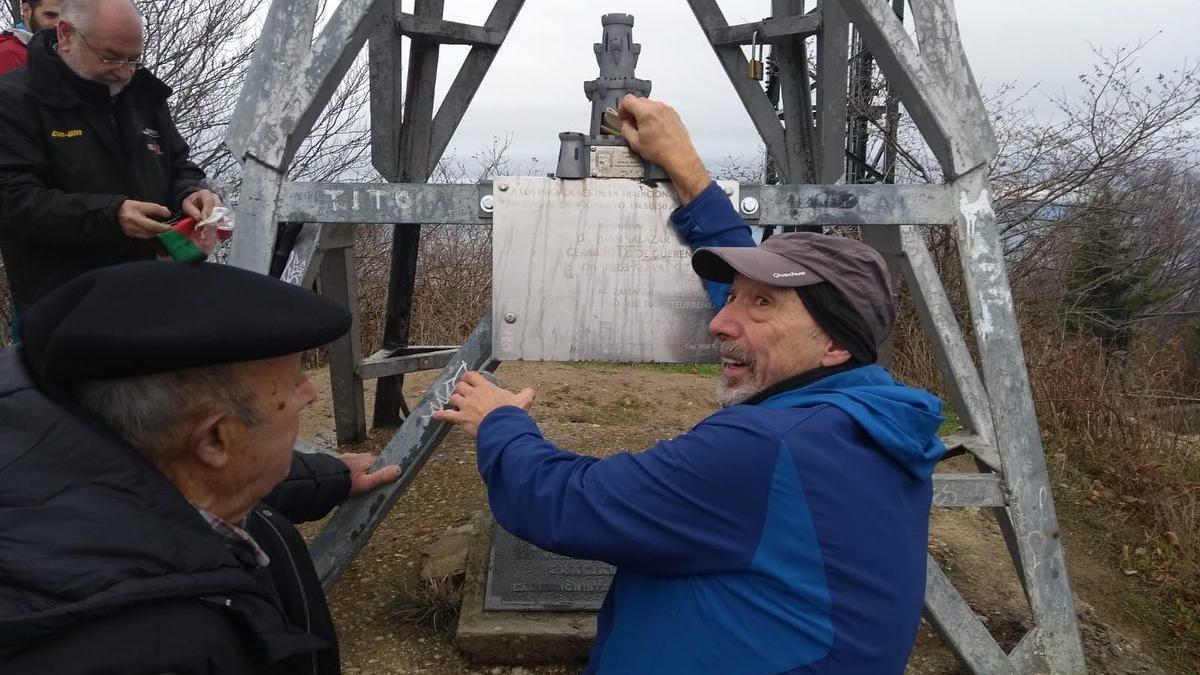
(90,163)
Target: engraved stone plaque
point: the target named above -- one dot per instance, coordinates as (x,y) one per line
(523,577)
(592,270)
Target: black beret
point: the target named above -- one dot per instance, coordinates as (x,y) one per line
(152,317)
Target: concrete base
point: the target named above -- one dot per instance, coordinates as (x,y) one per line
(514,638)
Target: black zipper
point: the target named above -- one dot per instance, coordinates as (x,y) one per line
(299,582)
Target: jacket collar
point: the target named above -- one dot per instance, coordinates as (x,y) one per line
(18,33)
(53,83)
(802,380)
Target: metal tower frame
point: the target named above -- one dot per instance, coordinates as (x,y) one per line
(295,71)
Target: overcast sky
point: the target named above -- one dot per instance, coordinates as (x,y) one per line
(535,87)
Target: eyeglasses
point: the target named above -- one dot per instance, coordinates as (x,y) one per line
(118,63)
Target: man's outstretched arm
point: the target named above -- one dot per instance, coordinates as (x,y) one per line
(685,506)
(706,217)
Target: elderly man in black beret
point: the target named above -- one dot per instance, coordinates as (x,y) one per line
(151,409)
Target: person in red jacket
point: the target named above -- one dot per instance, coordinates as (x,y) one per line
(36,15)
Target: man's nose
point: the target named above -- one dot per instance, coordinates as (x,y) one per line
(724,325)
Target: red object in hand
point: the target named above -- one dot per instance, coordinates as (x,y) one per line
(187,227)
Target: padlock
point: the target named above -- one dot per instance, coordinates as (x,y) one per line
(756,61)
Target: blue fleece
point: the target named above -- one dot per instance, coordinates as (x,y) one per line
(709,220)
(783,537)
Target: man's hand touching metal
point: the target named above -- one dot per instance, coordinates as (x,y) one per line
(654,131)
(138,219)
(200,204)
(362,478)
(475,398)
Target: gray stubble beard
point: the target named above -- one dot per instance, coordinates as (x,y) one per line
(728,395)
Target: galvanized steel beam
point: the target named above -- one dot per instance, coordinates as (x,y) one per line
(958,146)
(1018,438)
(305,257)
(352,524)
(333,51)
(967,394)
(416,163)
(283,45)
(404,203)
(736,67)
(449,32)
(770,30)
(955,621)
(415,203)
(411,360)
(386,73)
(470,76)
(257,216)
(833,50)
(957,490)
(942,53)
(853,205)
(339,281)
(798,129)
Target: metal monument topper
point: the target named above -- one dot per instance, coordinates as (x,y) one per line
(592,270)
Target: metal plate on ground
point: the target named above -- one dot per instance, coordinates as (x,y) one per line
(522,577)
(592,270)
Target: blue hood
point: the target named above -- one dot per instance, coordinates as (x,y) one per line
(904,421)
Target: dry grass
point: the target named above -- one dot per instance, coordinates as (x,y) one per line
(433,603)
(1124,467)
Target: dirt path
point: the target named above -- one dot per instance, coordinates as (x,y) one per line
(598,410)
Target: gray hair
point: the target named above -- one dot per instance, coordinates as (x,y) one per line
(79,13)
(150,411)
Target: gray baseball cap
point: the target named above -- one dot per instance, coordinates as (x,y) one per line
(853,269)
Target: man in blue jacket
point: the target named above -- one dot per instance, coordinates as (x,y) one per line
(785,533)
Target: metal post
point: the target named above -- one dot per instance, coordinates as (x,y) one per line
(1018,438)
(352,524)
(416,163)
(339,281)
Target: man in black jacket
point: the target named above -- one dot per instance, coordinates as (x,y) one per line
(90,161)
(132,465)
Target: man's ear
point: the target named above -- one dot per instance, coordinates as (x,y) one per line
(210,440)
(834,355)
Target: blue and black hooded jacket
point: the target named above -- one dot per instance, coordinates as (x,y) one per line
(787,536)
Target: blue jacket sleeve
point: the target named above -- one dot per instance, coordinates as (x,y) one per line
(709,220)
(692,505)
